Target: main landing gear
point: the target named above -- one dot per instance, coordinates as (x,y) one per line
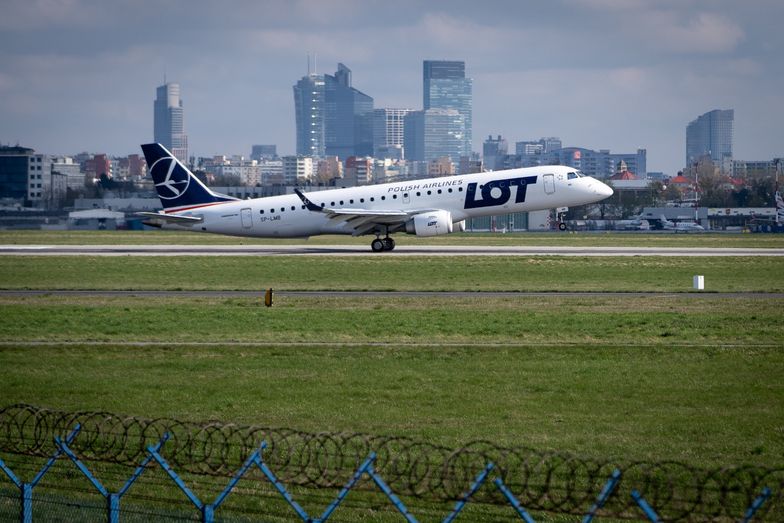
(382,244)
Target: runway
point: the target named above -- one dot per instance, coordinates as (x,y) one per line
(385,294)
(359,250)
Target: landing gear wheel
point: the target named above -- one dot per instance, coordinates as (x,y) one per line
(561,226)
(389,244)
(377,245)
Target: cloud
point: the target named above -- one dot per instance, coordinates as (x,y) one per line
(703,33)
(39,14)
(600,73)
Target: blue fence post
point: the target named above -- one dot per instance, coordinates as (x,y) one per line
(113,507)
(112,499)
(524,515)
(27,503)
(756,504)
(480,479)
(603,495)
(646,508)
(26,489)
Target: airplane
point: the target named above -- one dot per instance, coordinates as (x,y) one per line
(680,226)
(427,207)
(635,224)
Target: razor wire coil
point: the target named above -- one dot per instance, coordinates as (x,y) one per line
(543,480)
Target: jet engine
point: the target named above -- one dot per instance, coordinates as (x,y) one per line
(460,226)
(432,223)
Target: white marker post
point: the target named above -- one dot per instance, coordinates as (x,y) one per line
(699,283)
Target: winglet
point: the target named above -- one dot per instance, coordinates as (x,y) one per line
(310,205)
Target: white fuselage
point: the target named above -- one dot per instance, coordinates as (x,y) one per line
(464,196)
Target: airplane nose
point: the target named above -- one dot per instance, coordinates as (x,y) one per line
(602,189)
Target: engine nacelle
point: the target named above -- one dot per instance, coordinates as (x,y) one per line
(430,223)
(459,226)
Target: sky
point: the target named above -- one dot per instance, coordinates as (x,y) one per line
(80,75)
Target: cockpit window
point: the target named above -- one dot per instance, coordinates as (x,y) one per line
(571,176)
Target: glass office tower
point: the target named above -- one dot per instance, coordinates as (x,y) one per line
(445,86)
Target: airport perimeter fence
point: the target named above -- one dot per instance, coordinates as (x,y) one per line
(100,466)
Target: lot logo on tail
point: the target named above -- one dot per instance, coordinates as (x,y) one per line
(170,178)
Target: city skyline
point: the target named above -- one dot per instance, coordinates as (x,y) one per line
(597,73)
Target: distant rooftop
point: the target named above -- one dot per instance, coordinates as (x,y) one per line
(9,150)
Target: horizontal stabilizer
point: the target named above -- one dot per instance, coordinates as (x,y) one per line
(170,218)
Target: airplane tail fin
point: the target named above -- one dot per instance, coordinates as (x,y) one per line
(177,187)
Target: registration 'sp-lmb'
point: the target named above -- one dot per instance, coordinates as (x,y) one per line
(427,207)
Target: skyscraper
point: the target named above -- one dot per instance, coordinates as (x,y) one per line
(309,115)
(169,127)
(711,135)
(445,86)
(434,134)
(332,117)
(388,132)
(493,152)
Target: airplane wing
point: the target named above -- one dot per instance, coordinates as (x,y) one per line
(362,220)
(160,217)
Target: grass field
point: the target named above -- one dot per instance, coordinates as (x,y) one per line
(488,273)
(576,239)
(689,378)
(600,321)
(705,406)
(686,378)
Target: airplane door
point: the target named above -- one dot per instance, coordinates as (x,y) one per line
(246,217)
(549,183)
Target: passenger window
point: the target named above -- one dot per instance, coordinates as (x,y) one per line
(262,211)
